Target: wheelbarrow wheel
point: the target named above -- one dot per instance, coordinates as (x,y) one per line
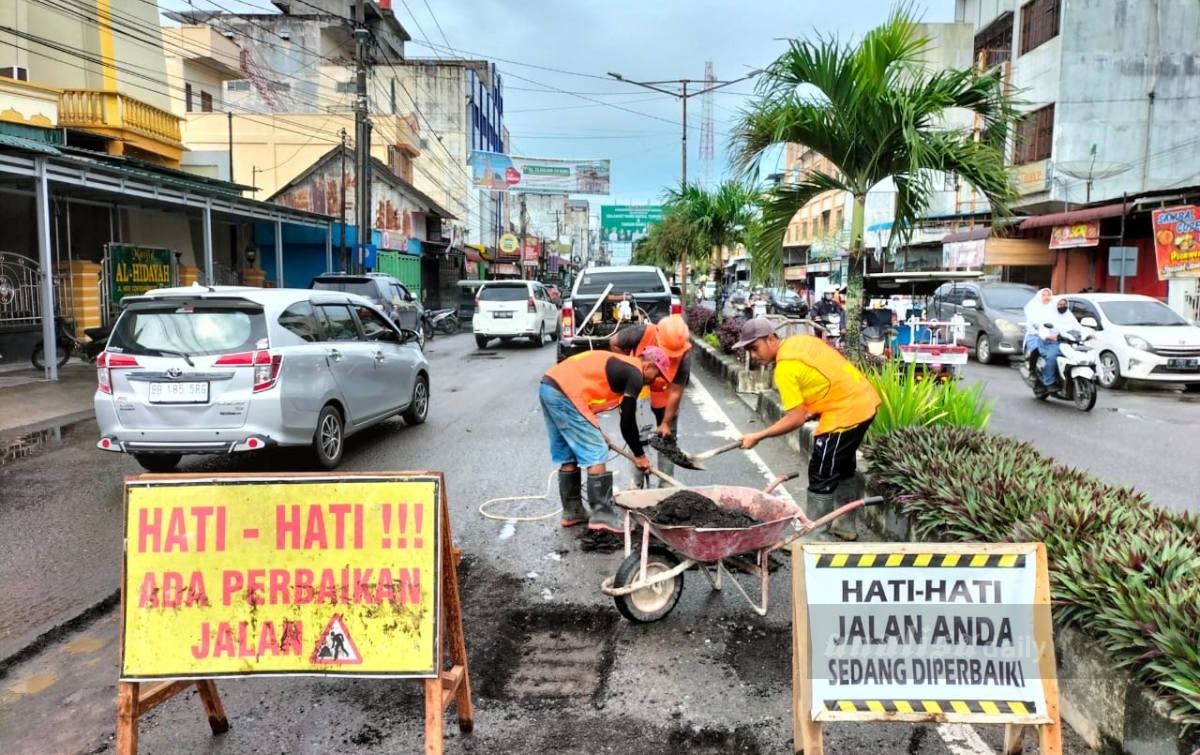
(656,601)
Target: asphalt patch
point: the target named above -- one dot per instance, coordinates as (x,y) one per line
(714,741)
(541,657)
(689,508)
(601,541)
(761,656)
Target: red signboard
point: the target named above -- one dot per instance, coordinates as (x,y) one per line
(533,251)
(1177,241)
(1075,235)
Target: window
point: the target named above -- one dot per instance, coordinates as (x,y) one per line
(187,97)
(300,321)
(995,41)
(1082,309)
(242,85)
(280,86)
(338,323)
(206,102)
(375,328)
(804,230)
(841,219)
(196,328)
(392,97)
(1035,136)
(347,87)
(1039,23)
(825,221)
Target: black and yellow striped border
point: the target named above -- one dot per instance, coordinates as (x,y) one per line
(991,707)
(930,560)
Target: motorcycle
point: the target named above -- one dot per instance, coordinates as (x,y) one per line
(445,321)
(1076,376)
(68,345)
(830,326)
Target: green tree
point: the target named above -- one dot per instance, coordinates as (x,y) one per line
(723,215)
(669,242)
(876,111)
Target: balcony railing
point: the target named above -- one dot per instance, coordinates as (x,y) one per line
(99,109)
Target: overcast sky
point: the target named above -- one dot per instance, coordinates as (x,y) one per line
(554,56)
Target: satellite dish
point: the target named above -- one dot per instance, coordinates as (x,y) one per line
(1092,170)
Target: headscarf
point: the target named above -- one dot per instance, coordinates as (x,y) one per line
(1038,312)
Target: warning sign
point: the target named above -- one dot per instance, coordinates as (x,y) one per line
(335,646)
(235,576)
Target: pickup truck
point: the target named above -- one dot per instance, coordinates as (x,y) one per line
(632,295)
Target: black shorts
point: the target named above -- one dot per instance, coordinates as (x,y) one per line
(835,457)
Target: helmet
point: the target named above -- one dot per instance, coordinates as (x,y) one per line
(673,335)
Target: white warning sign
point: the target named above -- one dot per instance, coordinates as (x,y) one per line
(335,647)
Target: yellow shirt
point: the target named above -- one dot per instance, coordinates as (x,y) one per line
(812,374)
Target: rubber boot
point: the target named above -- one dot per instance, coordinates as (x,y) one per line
(843,527)
(817,506)
(600,498)
(570,490)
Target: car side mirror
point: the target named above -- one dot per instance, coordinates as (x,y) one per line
(1090,322)
(408,336)
(970,304)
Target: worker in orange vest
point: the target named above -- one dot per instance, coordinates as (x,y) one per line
(814,379)
(671,335)
(572,393)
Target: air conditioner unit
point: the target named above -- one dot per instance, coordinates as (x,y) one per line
(20,73)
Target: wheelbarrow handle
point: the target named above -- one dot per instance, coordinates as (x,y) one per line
(875,500)
(780,480)
(657,473)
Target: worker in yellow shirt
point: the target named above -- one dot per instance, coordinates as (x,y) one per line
(814,379)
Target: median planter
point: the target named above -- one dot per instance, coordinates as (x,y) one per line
(1108,707)
(735,374)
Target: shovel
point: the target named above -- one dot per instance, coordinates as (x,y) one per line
(683,459)
(656,472)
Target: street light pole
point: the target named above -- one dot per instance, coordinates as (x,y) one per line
(683,96)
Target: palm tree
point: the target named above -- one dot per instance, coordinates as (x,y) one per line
(669,242)
(722,215)
(875,111)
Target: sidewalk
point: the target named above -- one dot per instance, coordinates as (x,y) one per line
(29,403)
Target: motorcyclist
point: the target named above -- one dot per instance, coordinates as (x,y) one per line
(827,308)
(1055,321)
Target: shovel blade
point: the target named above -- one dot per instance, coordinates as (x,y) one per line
(677,455)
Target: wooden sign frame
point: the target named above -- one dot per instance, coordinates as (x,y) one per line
(808,733)
(451,685)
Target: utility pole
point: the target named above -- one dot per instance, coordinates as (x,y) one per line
(683,95)
(342,204)
(230,114)
(362,137)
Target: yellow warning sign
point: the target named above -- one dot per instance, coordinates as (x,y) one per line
(324,575)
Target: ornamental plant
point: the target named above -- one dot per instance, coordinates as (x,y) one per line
(906,401)
(1122,570)
(700,320)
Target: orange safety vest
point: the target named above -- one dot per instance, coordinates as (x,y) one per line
(582,379)
(850,400)
(658,395)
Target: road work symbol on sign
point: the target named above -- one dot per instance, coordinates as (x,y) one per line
(335,646)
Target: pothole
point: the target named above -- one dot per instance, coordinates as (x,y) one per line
(761,656)
(558,654)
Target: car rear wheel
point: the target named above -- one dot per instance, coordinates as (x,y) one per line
(557,334)
(418,409)
(540,339)
(330,438)
(161,463)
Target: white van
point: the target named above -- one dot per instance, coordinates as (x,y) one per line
(508,309)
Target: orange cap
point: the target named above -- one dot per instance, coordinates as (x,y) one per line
(673,335)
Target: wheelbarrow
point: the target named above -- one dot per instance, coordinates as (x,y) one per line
(649,582)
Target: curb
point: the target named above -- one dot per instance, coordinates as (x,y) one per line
(47,424)
(1107,707)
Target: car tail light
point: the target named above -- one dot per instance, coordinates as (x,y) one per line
(532,306)
(476,305)
(266,366)
(676,308)
(568,321)
(106,363)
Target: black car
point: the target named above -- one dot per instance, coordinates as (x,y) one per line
(784,301)
(392,296)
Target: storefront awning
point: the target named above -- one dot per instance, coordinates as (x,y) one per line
(1076,216)
(473,256)
(972,235)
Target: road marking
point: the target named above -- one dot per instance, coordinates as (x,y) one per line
(711,411)
(960,739)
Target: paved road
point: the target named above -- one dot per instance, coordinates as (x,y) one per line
(1143,438)
(712,677)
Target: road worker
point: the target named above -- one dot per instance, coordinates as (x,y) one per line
(572,394)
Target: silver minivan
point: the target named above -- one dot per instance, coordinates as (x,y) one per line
(993,313)
(228,369)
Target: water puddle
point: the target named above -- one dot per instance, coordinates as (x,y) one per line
(32,444)
(85,645)
(34,684)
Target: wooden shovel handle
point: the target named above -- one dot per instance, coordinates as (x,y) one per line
(657,473)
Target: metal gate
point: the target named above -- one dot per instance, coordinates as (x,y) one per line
(1191,303)
(20,290)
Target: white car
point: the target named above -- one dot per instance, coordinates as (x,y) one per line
(1140,338)
(508,309)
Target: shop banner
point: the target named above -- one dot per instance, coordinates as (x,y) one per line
(500,172)
(533,252)
(1177,241)
(138,269)
(1075,235)
(627,222)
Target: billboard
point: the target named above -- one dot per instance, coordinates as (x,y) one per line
(627,222)
(500,172)
(1177,241)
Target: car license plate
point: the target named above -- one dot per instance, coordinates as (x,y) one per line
(502,315)
(179,393)
(1183,364)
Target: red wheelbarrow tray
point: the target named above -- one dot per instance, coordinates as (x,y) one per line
(711,544)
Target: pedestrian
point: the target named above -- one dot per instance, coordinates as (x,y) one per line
(572,393)
(671,335)
(813,380)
